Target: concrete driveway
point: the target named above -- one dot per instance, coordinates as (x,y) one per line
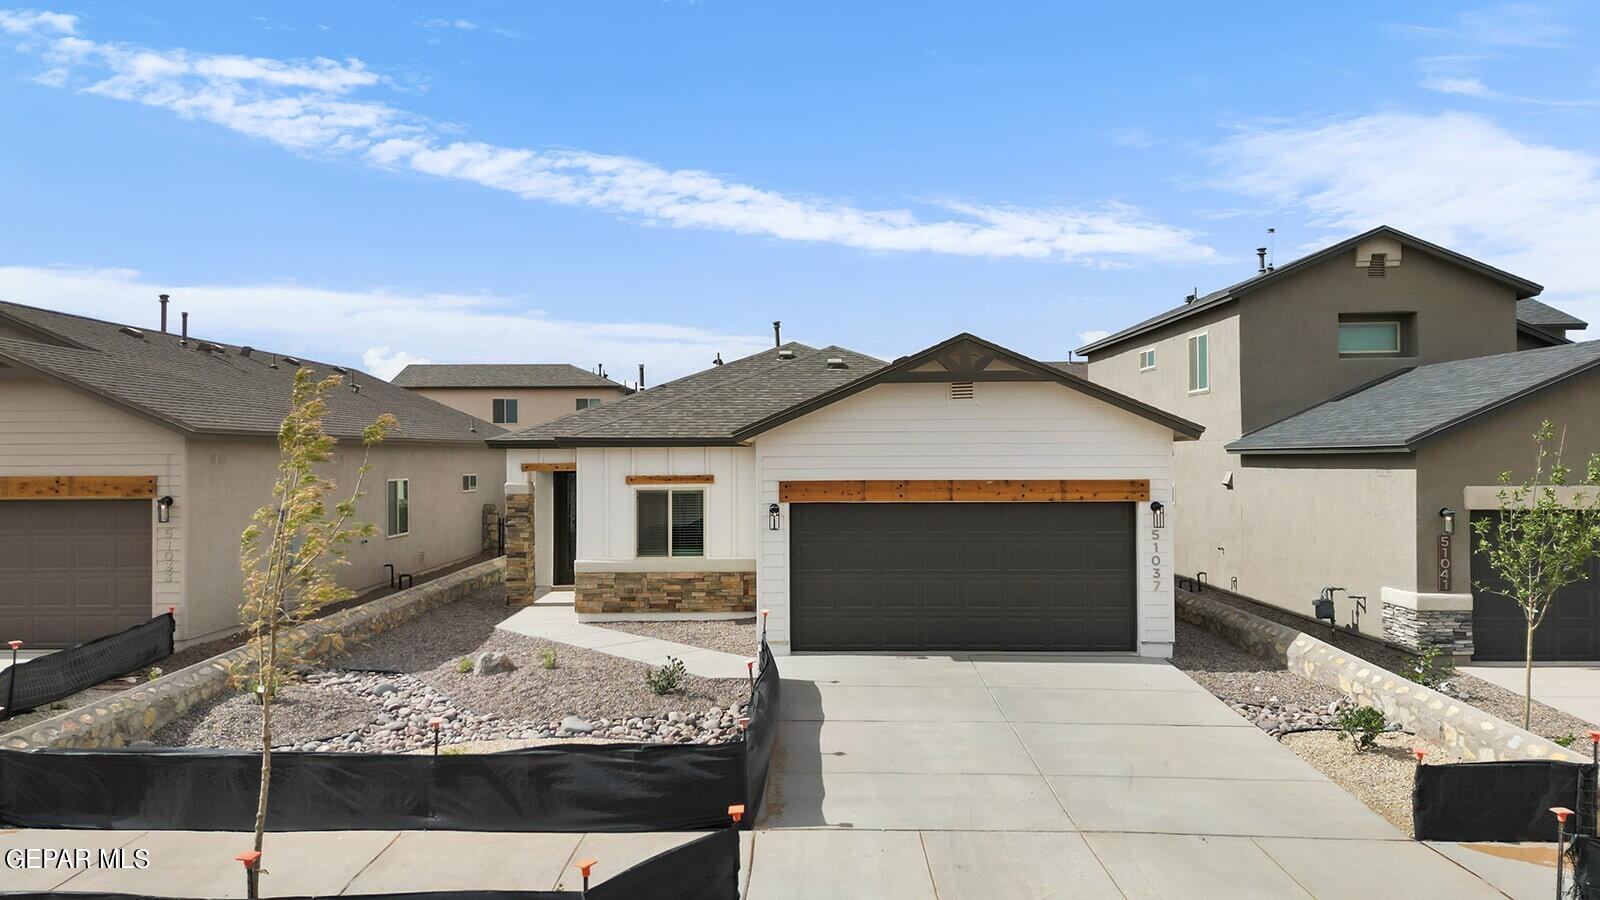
(1032,777)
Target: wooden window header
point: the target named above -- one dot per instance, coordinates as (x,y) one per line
(77,487)
(670,479)
(550,467)
(1034,490)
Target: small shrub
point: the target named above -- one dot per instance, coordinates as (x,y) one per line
(1429,670)
(154,673)
(547,658)
(452,750)
(667,679)
(1361,724)
(464,665)
(1566,740)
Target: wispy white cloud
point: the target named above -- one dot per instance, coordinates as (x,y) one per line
(439,23)
(1522,25)
(317,106)
(1089,337)
(1456,179)
(380,329)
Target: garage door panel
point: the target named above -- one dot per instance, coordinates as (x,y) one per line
(992,576)
(73,570)
(1569,633)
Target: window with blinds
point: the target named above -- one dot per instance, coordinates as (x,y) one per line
(670,523)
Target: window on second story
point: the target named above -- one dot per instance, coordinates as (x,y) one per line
(586,402)
(505,412)
(1147,360)
(1199,363)
(1369,338)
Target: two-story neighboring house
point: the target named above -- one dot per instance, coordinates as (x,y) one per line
(1359,404)
(514,395)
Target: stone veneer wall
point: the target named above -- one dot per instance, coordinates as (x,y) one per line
(519,548)
(1467,730)
(685,592)
(135,714)
(1414,629)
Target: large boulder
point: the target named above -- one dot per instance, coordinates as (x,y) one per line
(493,662)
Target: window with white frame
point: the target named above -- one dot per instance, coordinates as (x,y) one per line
(586,402)
(1199,363)
(469,483)
(399,507)
(1147,359)
(670,523)
(505,412)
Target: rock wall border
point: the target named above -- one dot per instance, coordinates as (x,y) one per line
(1445,720)
(137,713)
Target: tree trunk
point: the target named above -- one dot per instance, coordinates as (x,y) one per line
(1527,683)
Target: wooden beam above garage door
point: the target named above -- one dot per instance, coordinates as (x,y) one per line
(1027,490)
(77,487)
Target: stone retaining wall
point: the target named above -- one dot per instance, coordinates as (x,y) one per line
(137,713)
(1450,629)
(1445,720)
(652,592)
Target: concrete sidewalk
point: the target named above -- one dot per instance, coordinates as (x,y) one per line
(1573,689)
(552,618)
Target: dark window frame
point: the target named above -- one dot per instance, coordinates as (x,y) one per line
(668,527)
(503,410)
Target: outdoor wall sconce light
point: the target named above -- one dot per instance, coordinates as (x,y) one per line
(773,521)
(1158,514)
(1449,516)
(164,510)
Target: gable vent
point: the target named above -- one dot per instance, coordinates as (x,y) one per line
(1378,265)
(962,390)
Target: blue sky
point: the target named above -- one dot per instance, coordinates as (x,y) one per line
(657,181)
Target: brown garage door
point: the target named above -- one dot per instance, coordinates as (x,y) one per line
(73,570)
(962,576)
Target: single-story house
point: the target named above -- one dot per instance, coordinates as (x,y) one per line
(962,498)
(513,396)
(131,459)
(1360,403)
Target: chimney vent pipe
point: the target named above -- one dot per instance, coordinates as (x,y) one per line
(184,340)
(164,298)
(777,334)
(641,376)
(1261,260)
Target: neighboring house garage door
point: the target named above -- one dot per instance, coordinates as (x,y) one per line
(73,570)
(962,576)
(1570,630)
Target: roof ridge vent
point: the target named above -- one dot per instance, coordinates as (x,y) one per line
(835,362)
(785,353)
(209,347)
(291,360)
(131,331)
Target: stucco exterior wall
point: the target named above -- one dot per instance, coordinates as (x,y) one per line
(1289,337)
(534,405)
(1010,430)
(47,429)
(232,477)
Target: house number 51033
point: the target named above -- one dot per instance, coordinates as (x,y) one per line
(1155,560)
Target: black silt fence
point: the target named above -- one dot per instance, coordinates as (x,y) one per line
(1586,867)
(1501,801)
(46,679)
(565,787)
(706,868)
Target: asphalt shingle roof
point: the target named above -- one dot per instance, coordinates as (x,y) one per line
(530,375)
(708,407)
(218,391)
(1543,315)
(1398,412)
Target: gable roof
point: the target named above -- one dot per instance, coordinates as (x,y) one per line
(1533,312)
(1523,287)
(728,405)
(208,387)
(495,375)
(1395,413)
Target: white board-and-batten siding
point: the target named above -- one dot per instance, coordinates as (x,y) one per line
(1010,430)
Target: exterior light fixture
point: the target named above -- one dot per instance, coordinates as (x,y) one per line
(1448,515)
(774,522)
(164,509)
(1158,514)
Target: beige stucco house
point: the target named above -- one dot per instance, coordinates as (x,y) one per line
(1359,404)
(131,459)
(511,396)
(964,497)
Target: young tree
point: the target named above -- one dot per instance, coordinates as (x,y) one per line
(1547,531)
(289,553)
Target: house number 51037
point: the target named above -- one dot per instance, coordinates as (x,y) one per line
(1155,559)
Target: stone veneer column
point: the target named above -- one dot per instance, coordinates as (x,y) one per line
(1415,620)
(519,544)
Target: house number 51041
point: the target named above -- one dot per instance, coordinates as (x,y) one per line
(1155,559)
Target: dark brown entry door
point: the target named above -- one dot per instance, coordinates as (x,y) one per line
(962,576)
(1570,631)
(73,570)
(566,522)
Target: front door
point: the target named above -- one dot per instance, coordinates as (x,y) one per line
(566,522)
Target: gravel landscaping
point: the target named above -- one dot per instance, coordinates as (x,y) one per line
(727,635)
(1381,777)
(1273,698)
(381,695)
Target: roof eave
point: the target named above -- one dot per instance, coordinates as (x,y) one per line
(1326,450)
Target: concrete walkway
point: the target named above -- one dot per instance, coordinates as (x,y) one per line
(1573,689)
(552,618)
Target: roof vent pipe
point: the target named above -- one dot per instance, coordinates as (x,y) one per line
(718,360)
(164,298)
(641,376)
(777,334)
(184,341)
(1261,260)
